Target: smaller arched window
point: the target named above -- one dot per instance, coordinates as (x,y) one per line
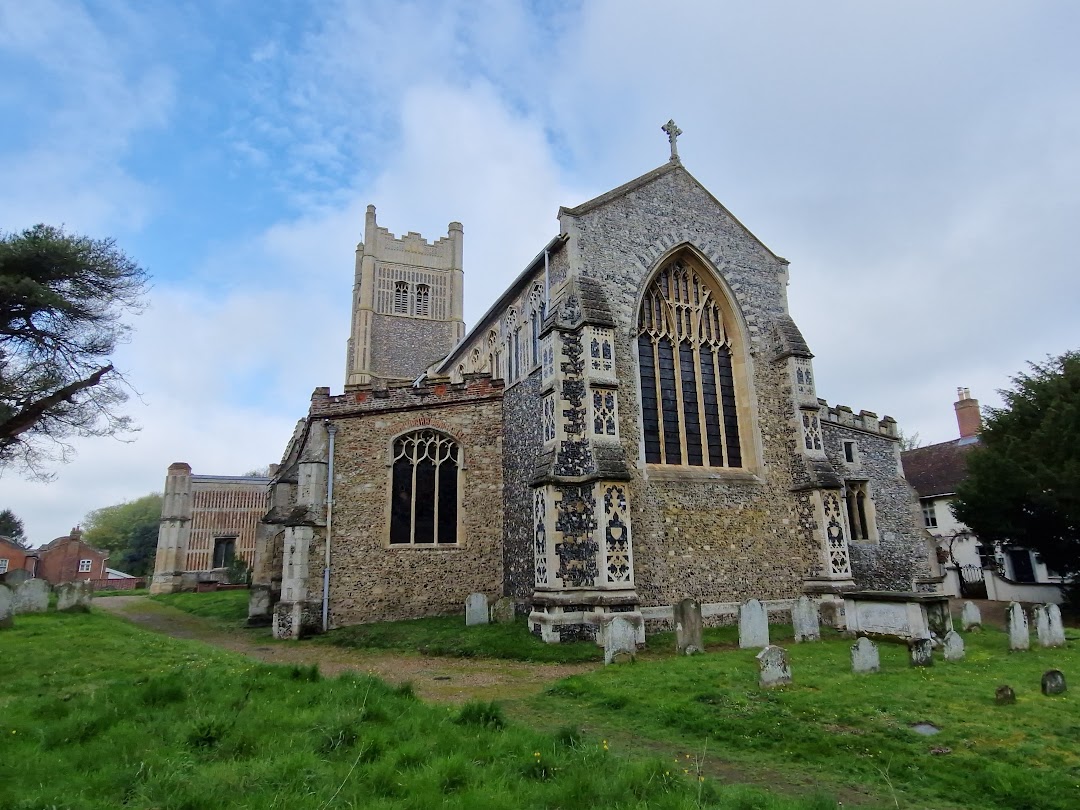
(536,321)
(423,300)
(424,489)
(401,298)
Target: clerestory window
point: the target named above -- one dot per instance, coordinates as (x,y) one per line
(424,489)
(689,414)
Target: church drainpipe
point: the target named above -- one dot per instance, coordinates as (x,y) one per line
(547,283)
(331,429)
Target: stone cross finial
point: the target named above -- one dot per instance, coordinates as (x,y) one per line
(673,133)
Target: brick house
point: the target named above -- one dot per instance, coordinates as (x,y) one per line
(14,557)
(632,422)
(69,559)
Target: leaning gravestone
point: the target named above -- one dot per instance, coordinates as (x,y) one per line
(620,640)
(921,652)
(32,596)
(502,612)
(804,620)
(7,607)
(14,579)
(1053,682)
(753,625)
(1057,629)
(954,646)
(773,667)
(971,618)
(688,634)
(1004,695)
(476,609)
(74,596)
(864,656)
(1019,635)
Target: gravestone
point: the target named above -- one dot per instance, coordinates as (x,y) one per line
(753,625)
(1004,695)
(1053,682)
(74,596)
(1042,625)
(773,667)
(954,646)
(7,607)
(620,640)
(804,620)
(688,635)
(476,609)
(15,578)
(1019,635)
(1057,629)
(502,612)
(970,617)
(32,596)
(864,656)
(921,652)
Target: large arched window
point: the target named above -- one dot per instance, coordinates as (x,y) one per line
(424,489)
(688,410)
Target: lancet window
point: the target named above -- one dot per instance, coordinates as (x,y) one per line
(689,412)
(401,298)
(423,300)
(424,489)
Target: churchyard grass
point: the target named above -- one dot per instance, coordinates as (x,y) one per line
(97,713)
(230,607)
(448,636)
(851,730)
(118,592)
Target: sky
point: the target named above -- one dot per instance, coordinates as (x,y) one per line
(918,163)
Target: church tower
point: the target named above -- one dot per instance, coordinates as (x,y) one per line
(407,303)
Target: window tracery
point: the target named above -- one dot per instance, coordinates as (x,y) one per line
(689,413)
(424,489)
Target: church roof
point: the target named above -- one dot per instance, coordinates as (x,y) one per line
(674,165)
(938,469)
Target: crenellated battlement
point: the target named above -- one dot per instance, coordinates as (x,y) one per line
(403,396)
(863,420)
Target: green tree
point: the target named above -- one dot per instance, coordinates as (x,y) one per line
(1023,482)
(12,528)
(63,298)
(128,530)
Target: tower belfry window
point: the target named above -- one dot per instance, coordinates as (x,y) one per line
(423,300)
(401,298)
(689,413)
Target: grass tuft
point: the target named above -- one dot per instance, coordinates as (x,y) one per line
(479,713)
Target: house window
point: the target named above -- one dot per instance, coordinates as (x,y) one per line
(224,551)
(423,300)
(424,489)
(401,298)
(929,516)
(689,416)
(3,566)
(859,510)
(851,452)
(84,566)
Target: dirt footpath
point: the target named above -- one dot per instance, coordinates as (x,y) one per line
(452,680)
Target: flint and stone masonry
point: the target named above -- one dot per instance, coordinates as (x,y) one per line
(634,421)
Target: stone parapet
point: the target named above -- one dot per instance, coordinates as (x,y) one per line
(863,420)
(360,399)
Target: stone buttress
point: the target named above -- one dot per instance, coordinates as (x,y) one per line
(174,531)
(817,487)
(583,551)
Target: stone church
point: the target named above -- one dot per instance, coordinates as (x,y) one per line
(632,422)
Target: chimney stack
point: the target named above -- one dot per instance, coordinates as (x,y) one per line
(968,418)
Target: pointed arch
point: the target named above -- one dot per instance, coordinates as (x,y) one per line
(425,466)
(693,390)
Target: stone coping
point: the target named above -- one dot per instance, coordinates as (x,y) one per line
(895,596)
